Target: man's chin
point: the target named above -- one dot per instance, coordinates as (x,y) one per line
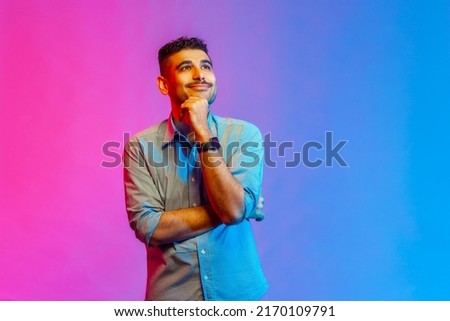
(201,94)
(209,95)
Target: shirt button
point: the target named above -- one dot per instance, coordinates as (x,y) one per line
(205,277)
(203,251)
(193,179)
(194,204)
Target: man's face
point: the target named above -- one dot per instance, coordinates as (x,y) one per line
(189,73)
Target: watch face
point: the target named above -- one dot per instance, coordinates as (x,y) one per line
(215,143)
(212,144)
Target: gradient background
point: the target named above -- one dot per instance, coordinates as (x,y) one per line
(77,74)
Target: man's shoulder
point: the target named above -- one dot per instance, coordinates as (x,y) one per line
(152,133)
(228,123)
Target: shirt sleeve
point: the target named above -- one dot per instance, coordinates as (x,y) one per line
(143,202)
(246,162)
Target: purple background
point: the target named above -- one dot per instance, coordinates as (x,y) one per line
(75,75)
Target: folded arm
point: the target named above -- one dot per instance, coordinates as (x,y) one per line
(152,224)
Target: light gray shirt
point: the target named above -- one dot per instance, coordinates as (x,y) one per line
(162,173)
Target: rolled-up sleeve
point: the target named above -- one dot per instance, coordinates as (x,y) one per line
(246,162)
(143,202)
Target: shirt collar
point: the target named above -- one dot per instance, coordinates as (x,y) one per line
(169,133)
(172,132)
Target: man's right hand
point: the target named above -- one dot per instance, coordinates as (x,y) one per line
(194,112)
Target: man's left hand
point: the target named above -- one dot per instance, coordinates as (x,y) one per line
(258,214)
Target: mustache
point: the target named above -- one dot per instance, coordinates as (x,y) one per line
(199,83)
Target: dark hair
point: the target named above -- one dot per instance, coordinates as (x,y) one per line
(179,44)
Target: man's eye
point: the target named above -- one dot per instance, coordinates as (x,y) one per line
(207,67)
(184,68)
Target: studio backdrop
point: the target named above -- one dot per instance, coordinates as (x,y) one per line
(352,98)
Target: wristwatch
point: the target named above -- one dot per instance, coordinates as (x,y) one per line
(212,144)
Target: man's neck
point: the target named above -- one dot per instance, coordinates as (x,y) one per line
(183,129)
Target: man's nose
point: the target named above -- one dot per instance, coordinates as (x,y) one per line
(198,74)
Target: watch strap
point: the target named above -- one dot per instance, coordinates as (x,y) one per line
(211,144)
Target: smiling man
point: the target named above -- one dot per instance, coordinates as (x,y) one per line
(192,184)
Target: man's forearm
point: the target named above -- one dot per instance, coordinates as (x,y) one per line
(225,193)
(179,225)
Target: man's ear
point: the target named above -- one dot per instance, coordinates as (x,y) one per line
(162,85)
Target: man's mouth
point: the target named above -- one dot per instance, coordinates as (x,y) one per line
(199,86)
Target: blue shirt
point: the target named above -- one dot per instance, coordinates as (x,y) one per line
(162,173)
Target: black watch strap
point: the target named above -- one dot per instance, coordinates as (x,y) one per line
(212,144)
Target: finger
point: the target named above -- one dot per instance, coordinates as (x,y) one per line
(260,217)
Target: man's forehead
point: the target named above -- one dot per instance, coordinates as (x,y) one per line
(194,55)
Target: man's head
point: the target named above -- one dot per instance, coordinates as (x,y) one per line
(177,45)
(186,70)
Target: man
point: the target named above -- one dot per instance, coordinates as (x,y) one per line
(192,183)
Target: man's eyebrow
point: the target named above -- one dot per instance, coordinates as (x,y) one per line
(206,61)
(189,62)
(185,62)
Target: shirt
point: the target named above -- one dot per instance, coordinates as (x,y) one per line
(162,173)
